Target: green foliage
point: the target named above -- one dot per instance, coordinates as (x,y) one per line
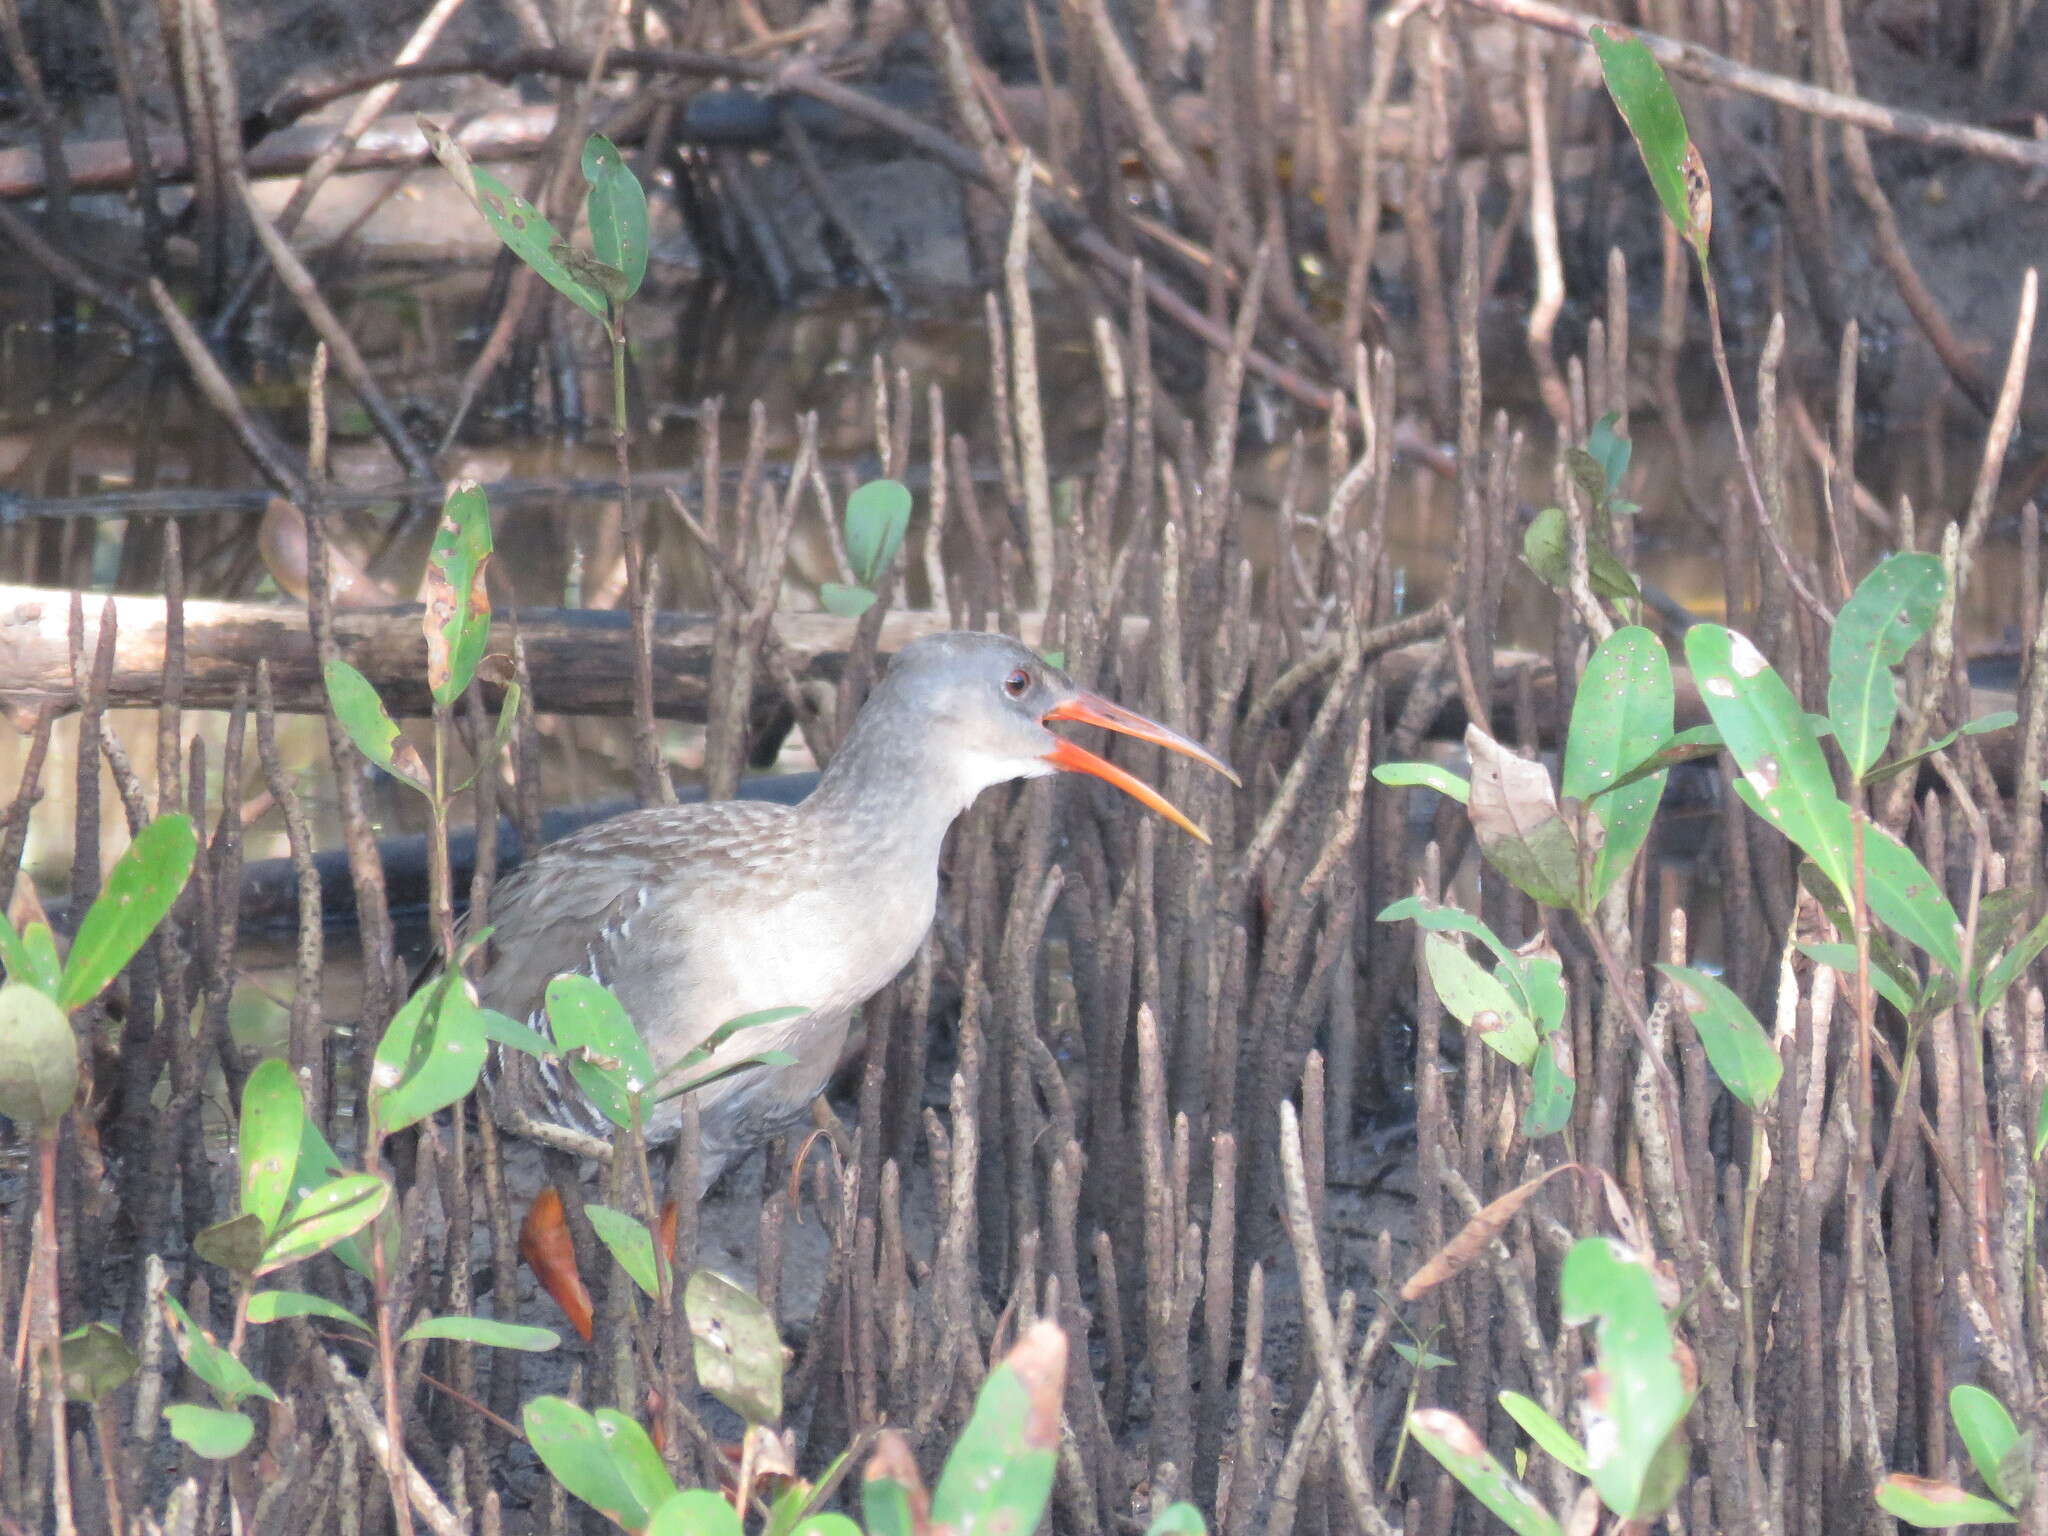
(31,955)
(273,1128)
(1636,82)
(999,1476)
(525,232)
(877,517)
(338,1209)
(1887,613)
(215,1433)
(630,1243)
(1737,1048)
(576,1449)
(1620,717)
(1548,1434)
(39,1067)
(483,1330)
(230,1380)
(457,621)
(96,1361)
(140,890)
(370,726)
(276,1306)
(1478,1000)
(734,1344)
(616,210)
(430,1056)
(1636,1405)
(605,1053)
(1451,1441)
(695,1512)
(1425,776)
(1519,825)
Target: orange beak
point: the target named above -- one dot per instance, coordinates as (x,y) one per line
(1092,709)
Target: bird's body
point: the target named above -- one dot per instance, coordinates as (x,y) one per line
(696,915)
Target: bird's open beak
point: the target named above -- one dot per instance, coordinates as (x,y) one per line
(1092,709)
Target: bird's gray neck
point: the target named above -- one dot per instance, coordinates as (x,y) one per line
(888,795)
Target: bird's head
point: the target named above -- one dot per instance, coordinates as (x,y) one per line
(984,705)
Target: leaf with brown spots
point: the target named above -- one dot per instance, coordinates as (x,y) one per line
(1472,1239)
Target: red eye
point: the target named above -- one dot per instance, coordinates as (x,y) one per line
(1017,684)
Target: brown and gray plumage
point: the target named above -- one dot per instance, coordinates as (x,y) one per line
(695,915)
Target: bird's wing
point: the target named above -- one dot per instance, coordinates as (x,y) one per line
(572,910)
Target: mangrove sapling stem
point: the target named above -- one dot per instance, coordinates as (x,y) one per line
(53,1333)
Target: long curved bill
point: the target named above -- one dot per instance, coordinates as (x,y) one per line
(1093,709)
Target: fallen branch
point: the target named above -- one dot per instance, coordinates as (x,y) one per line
(1703,64)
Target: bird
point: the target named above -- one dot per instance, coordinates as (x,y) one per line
(695,915)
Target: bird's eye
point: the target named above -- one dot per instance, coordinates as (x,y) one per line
(1017,684)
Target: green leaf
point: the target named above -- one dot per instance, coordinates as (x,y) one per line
(140,890)
(616,210)
(230,1379)
(1687,746)
(276,1306)
(1422,1359)
(1886,614)
(1842,957)
(573,1447)
(827,1525)
(370,726)
(317,1164)
(1435,918)
(1424,776)
(30,957)
(1547,549)
(1621,715)
(727,1069)
(843,601)
(235,1244)
(706,1048)
(630,1243)
(2041,1125)
(892,1495)
(1552,1091)
(431,1056)
(601,277)
(97,1361)
(1181,1519)
(517,222)
(38,1056)
(1786,781)
(483,1330)
(337,1209)
(1636,1405)
(215,1433)
(1462,1454)
(1478,1000)
(1737,1047)
(1550,1435)
(695,1512)
(2012,964)
(877,517)
(457,620)
(1934,1505)
(1516,820)
(1989,1435)
(999,1477)
(604,1051)
(509,1032)
(1609,449)
(733,1341)
(1637,84)
(636,1459)
(273,1126)
(1983,725)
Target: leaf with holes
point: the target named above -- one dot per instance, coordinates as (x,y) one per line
(737,1351)
(1636,82)
(527,234)
(1887,613)
(140,891)
(457,617)
(430,1056)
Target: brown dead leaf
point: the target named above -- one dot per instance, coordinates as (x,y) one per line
(1472,1239)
